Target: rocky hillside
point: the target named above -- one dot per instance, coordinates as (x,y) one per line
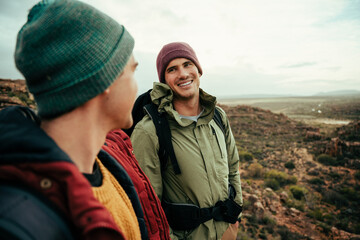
(14,92)
(299,181)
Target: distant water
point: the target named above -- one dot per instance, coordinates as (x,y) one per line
(307,118)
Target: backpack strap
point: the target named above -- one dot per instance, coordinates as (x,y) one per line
(164,135)
(163,132)
(189,216)
(26,215)
(137,111)
(218,120)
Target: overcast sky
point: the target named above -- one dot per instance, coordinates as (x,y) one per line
(298,47)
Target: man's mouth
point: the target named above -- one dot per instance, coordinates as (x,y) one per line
(185,84)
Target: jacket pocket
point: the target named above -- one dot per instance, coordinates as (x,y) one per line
(221,161)
(219,141)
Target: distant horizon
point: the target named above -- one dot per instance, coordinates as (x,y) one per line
(342,92)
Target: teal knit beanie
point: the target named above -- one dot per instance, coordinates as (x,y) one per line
(70,52)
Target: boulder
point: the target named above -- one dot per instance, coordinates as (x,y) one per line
(284,197)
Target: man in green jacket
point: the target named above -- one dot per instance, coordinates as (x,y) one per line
(207,156)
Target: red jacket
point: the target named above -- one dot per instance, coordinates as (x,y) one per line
(29,157)
(118,145)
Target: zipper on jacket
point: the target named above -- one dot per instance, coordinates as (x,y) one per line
(218,142)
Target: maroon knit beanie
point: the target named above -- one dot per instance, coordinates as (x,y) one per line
(171,51)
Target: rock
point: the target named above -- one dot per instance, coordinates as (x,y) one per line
(259,209)
(268,191)
(245,194)
(267,201)
(253,198)
(311,135)
(338,147)
(14,92)
(6,101)
(335,147)
(294,212)
(257,192)
(272,208)
(284,197)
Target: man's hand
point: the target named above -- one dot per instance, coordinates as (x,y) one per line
(231,232)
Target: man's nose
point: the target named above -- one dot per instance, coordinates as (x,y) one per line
(183,73)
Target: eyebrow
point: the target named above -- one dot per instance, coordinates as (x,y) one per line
(186,62)
(169,68)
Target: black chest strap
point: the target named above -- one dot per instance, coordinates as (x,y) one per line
(189,216)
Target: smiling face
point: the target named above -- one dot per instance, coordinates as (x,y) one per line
(183,78)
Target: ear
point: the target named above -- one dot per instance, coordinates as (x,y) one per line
(106,92)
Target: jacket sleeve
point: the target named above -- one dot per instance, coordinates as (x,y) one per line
(146,146)
(233,158)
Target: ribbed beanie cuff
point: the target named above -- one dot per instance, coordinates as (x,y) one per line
(171,51)
(69,52)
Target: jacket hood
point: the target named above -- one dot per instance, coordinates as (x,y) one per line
(22,139)
(163,96)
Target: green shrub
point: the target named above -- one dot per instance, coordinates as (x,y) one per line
(252,220)
(11,94)
(262,235)
(335,198)
(290,165)
(326,160)
(350,193)
(245,156)
(268,220)
(292,180)
(246,204)
(314,172)
(356,228)
(285,233)
(242,235)
(298,192)
(329,218)
(316,181)
(325,228)
(334,175)
(299,205)
(272,183)
(24,97)
(343,224)
(255,170)
(357,175)
(281,177)
(316,214)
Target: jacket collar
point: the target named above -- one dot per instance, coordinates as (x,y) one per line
(163,96)
(22,139)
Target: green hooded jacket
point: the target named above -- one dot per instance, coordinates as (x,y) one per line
(207,158)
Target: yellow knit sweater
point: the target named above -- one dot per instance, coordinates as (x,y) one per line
(114,198)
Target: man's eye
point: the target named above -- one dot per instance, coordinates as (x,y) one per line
(170,70)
